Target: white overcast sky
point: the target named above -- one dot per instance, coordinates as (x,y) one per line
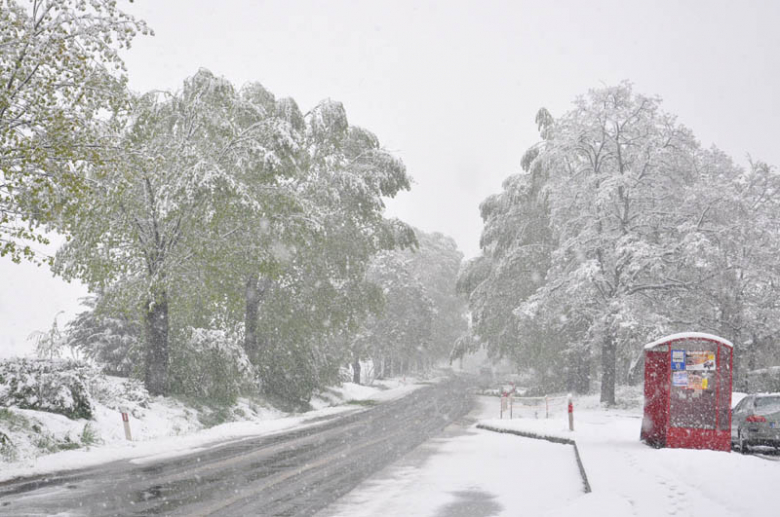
(452,87)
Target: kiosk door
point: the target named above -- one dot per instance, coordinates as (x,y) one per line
(694,392)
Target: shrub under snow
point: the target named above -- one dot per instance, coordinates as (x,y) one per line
(210,365)
(46,385)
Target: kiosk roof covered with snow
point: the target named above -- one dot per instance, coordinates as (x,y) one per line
(688,392)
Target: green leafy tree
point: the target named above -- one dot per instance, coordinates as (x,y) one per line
(149,209)
(59,70)
(310,311)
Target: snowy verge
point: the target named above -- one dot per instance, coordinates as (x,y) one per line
(378,391)
(546,432)
(165,428)
(630,478)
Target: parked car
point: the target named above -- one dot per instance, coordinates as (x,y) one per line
(486,377)
(756,421)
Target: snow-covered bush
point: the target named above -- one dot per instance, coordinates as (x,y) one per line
(46,385)
(289,375)
(114,342)
(116,393)
(293,371)
(8,423)
(764,379)
(210,365)
(7,449)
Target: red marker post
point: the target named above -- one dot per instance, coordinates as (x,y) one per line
(126,422)
(571,413)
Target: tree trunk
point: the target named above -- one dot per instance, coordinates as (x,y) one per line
(741,366)
(356,371)
(252,305)
(156,328)
(255,289)
(608,364)
(579,368)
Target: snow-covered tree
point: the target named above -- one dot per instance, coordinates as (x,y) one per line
(221,209)
(435,263)
(516,243)
(619,168)
(401,335)
(730,249)
(620,229)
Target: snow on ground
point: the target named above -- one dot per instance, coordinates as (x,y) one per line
(469,472)
(169,428)
(379,391)
(630,478)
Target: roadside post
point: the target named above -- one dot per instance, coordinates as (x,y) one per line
(571,413)
(126,422)
(506,400)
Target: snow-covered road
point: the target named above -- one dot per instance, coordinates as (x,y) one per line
(295,472)
(469,472)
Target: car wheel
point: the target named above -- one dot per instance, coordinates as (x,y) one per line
(743,446)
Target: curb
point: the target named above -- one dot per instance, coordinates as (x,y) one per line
(553,439)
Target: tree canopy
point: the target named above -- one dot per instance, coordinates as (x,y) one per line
(60,73)
(227,209)
(620,229)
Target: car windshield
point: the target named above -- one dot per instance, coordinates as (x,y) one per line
(767,402)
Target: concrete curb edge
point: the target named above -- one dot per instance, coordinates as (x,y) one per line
(553,439)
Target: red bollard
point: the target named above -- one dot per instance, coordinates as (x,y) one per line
(571,414)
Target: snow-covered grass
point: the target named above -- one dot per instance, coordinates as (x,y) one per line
(161,427)
(630,478)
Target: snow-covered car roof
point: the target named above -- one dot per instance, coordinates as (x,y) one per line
(688,335)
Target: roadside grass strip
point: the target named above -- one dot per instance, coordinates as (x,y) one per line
(549,438)
(364,402)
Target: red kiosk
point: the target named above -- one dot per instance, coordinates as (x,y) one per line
(688,392)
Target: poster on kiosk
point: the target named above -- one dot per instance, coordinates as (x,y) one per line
(688,392)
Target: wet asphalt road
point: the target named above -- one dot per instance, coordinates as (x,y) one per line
(292,473)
